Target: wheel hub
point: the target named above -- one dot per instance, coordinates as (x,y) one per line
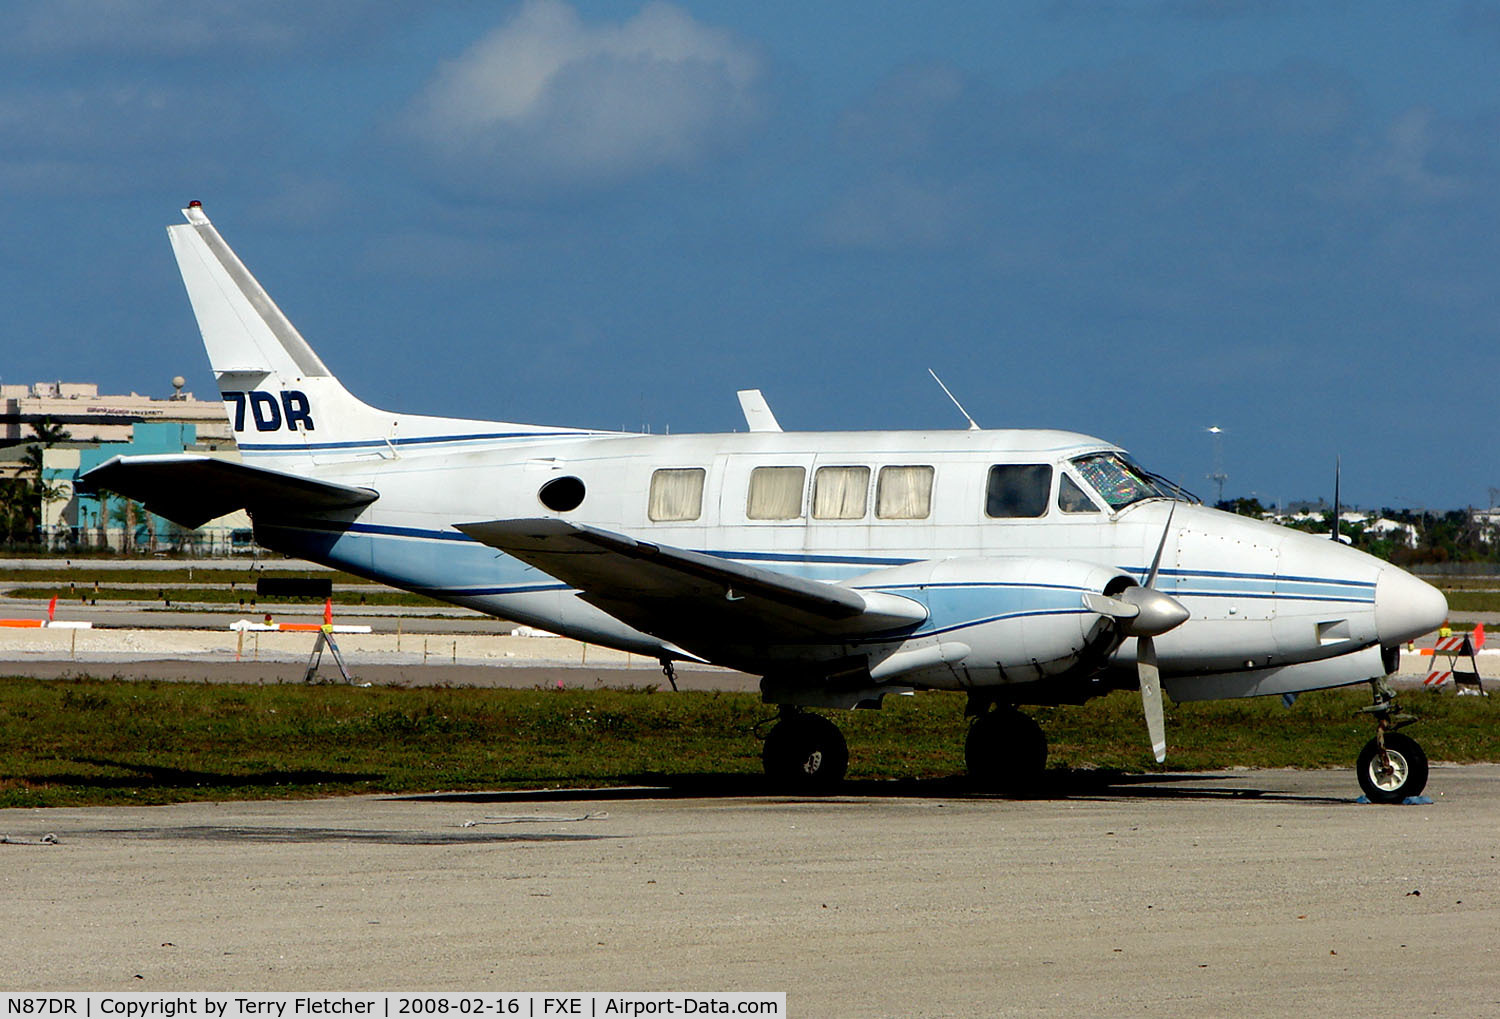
(1389,774)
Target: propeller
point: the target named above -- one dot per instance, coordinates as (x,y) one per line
(1145,613)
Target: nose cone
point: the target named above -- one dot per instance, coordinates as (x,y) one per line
(1405,607)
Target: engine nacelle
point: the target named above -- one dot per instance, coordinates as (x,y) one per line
(997,620)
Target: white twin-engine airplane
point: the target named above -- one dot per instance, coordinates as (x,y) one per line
(1022,567)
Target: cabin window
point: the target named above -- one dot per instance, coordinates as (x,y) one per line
(1018,490)
(775,493)
(840,493)
(904,493)
(676,494)
(1073,499)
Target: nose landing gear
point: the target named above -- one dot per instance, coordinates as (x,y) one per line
(1392,766)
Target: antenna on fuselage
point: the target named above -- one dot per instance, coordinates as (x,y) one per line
(758,416)
(1338,467)
(973,425)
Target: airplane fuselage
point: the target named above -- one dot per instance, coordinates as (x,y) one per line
(1002,581)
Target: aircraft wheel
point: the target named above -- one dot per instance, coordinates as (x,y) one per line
(806,751)
(1402,774)
(1006,750)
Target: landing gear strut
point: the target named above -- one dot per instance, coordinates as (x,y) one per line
(1005,750)
(806,751)
(1391,766)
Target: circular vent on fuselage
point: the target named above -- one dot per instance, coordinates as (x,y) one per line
(562,494)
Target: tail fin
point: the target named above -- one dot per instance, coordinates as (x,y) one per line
(283,402)
(243,329)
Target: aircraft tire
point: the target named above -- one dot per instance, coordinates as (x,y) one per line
(1006,751)
(1408,773)
(805,751)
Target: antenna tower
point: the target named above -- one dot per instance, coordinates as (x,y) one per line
(1218,477)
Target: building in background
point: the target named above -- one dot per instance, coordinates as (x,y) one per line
(86,519)
(89,417)
(98,428)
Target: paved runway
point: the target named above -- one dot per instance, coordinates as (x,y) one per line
(1244,893)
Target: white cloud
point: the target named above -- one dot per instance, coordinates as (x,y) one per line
(548,99)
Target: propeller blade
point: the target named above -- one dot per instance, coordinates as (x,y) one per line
(1160,546)
(1107,606)
(1150,676)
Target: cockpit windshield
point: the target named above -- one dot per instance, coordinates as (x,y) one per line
(1119,481)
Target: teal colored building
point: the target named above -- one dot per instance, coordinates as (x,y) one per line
(73,517)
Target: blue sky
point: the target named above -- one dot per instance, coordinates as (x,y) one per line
(1131,219)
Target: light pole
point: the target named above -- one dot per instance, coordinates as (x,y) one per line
(1218,477)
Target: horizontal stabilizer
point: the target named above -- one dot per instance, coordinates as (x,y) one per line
(688,596)
(190,489)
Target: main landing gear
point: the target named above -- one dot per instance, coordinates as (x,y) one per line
(1005,750)
(806,751)
(1392,766)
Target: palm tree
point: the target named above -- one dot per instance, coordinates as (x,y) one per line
(21,497)
(49,433)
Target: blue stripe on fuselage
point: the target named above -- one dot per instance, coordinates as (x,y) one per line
(379,444)
(445,563)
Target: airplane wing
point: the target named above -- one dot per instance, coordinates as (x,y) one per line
(191,489)
(688,597)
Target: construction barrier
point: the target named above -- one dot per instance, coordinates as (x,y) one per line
(45,624)
(247,625)
(1454,647)
(49,622)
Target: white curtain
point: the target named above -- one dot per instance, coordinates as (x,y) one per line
(676,494)
(775,493)
(840,493)
(904,493)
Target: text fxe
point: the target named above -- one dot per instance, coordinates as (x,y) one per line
(1017,566)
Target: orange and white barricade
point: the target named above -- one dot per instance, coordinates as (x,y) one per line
(51,622)
(1460,645)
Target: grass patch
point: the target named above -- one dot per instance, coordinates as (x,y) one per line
(1447,585)
(1473,601)
(93,741)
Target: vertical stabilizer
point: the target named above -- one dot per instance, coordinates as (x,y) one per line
(243,329)
(283,403)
